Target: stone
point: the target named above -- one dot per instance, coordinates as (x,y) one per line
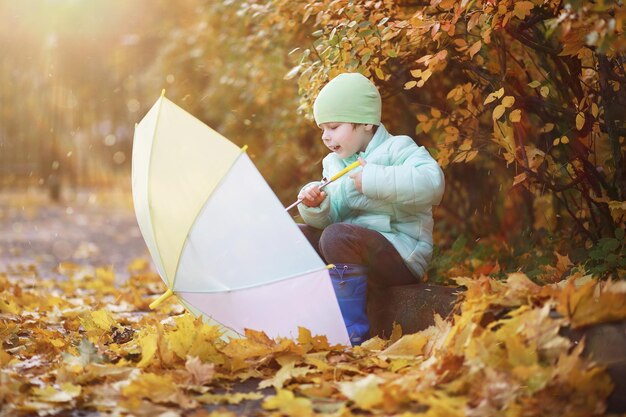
(411,306)
(605,344)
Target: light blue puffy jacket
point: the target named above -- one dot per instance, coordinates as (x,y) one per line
(401,182)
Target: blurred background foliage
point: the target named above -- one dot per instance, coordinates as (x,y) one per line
(523,103)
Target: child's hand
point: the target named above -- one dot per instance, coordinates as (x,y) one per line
(312,196)
(357,177)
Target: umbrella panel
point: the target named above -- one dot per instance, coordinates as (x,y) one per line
(243,238)
(278,308)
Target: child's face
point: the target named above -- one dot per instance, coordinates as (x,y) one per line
(344,139)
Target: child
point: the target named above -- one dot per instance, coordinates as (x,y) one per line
(377,222)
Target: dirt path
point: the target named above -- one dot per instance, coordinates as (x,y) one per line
(85,231)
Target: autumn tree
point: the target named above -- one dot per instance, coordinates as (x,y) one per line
(226,63)
(523,103)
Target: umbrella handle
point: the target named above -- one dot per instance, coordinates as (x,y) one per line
(167,294)
(344,171)
(325,182)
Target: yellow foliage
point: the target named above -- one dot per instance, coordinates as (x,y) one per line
(593,303)
(7,305)
(156,388)
(147,342)
(408,345)
(286,402)
(287,372)
(97,324)
(193,337)
(66,392)
(498,111)
(523,8)
(580,120)
(501,350)
(365,392)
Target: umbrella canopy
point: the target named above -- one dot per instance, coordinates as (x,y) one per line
(218,235)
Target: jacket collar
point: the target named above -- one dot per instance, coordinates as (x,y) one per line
(379,137)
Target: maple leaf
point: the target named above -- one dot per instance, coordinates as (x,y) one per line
(245,349)
(318,359)
(286,372)
(407,345)
(97,323)
(309,342)
(147,340)
(193,337)
(287,403)
(365,392)
(63,393)
(374,344)
(593,302)
(563,264)
(518,288)
(88,353)
(156,388)
(200,373)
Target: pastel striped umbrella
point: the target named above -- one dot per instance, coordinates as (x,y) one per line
(219,237)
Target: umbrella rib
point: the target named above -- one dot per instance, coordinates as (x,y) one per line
(187,304)
(191,224)
(149,193)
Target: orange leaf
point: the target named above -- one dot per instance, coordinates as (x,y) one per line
(474,49)
(498,112)
(515,116)
(580,120)
(523,8)
(520,178)
(508,101)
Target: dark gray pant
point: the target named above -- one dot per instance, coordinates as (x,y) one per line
(343,243)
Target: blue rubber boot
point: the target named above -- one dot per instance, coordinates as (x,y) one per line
(350,284)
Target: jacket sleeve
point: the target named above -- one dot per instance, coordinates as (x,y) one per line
(414,178)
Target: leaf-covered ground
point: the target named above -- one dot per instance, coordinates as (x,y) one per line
(86,343)
(81,341)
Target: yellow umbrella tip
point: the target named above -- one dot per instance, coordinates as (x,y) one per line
(167,294)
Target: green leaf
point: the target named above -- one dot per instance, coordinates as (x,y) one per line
(596,254)
(608,244)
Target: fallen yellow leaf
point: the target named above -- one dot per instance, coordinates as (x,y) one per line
(287,403)
(365,392)
(66,392)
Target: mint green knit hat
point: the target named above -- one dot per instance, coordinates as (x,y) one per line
(348,98)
